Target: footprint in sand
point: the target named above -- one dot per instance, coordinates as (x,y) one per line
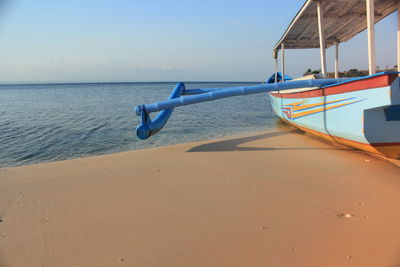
(345,215)
(348,215)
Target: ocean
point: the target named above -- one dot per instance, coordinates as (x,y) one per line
(52,122)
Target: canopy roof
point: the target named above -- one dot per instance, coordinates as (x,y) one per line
(342,19)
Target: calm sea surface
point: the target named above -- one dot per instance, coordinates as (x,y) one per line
(41,123)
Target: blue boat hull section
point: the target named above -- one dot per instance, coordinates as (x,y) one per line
(339,115)
(355,115)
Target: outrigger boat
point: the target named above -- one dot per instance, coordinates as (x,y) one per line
(362,112)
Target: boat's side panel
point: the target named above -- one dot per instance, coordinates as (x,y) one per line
(338,115)
(356,117)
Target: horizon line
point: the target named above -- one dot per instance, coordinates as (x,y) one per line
(113,82)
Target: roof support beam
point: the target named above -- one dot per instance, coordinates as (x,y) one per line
(340,27)
(296,18)
(337,59)
(283,61)
(346,7)
(371,36)
(276,66)
(321,38)
(348,15)
(325,26)
(304,31)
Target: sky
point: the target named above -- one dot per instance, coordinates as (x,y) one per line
(159,40)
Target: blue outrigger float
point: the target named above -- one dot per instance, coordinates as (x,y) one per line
(363,112)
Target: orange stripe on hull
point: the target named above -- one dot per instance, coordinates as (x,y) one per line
(390,150)
(309,112)
(296,104)
(298,107)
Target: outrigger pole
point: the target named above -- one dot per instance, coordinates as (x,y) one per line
(182,97)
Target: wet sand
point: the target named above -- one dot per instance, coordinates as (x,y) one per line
(278,198)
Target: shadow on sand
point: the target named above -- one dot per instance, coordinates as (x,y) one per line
(233,144)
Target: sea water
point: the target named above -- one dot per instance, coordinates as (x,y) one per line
(51,122)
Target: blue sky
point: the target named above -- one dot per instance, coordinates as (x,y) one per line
(155,40)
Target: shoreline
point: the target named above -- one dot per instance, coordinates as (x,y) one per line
(283,127)
(273,198)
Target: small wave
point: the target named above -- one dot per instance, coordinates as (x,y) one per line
(5,123)
(91,131)
(27,157)
(11,133)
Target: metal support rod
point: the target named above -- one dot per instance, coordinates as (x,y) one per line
(276,69)
(371,36)
(283,61)
(321,38)
(337,60)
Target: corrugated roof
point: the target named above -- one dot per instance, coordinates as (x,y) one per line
(343,19)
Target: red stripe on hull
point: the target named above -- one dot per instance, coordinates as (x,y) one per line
(351,86)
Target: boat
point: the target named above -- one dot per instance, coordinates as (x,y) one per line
(362,112)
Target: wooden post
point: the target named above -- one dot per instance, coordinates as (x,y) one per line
(276,68)
(371,36)
(398,36)
(283,61)
(321,38)
(337,60)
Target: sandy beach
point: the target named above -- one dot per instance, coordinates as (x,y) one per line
(277,198)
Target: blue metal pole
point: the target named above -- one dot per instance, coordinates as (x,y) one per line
(149,127)
(210,94)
